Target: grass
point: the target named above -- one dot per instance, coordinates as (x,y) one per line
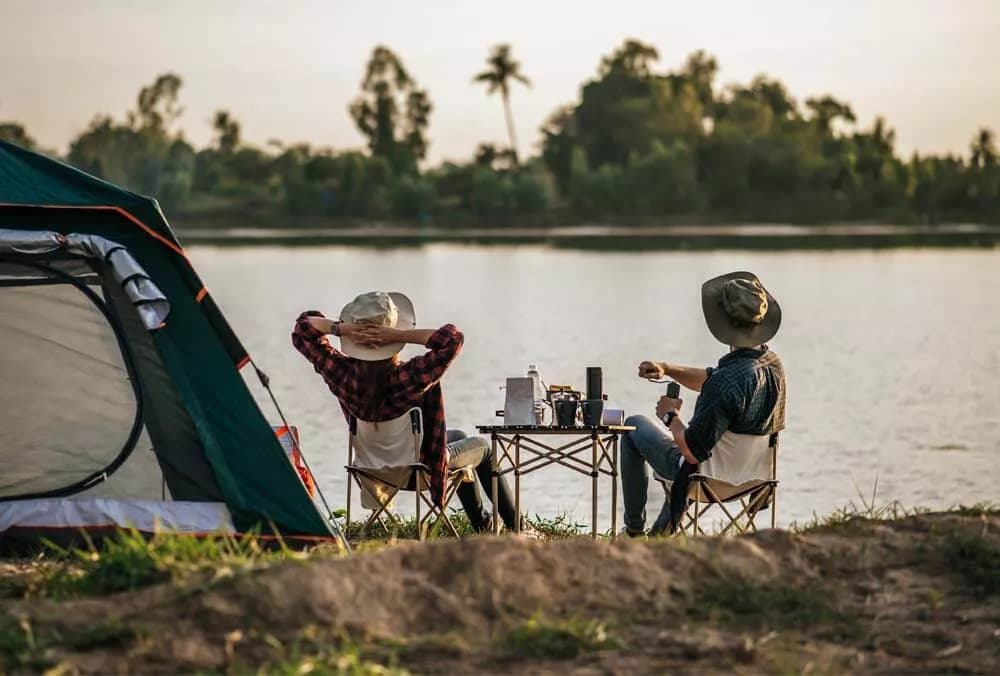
(549,528)
(312,651)
(778,606)
(868,509)
(129,560)
(343,659)
(558,639)
(23,649)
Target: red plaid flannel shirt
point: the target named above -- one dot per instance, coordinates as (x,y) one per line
(413,383)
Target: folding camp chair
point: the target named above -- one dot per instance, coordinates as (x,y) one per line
(383,459)
(693,493)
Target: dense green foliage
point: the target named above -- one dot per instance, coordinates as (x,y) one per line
(640,145)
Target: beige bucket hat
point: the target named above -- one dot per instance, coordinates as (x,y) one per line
(739,311)
(382,309)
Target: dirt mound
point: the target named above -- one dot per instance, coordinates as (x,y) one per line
(856,597)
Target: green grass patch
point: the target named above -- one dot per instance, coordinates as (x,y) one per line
(549,528)
(23,648)
(312,652)
(772,606)
(129,560)
(18,647)
(558,639)
(340,661)
(975,561)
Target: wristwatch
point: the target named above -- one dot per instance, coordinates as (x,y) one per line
(335,328)
(668,418)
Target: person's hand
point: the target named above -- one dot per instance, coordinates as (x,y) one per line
(652,370)
(372,335)
(666,404)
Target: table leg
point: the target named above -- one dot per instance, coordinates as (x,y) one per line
(496,484)
(517,485)
(614,487)
(593,496)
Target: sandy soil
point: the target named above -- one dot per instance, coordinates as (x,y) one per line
(863,597)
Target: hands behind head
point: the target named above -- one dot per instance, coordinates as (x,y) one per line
(652,370)
(666,404)
(370,335)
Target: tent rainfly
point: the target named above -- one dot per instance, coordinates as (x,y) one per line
(123,401)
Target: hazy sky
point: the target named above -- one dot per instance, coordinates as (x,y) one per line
(289,69)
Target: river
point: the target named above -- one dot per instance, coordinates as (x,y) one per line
(892,357)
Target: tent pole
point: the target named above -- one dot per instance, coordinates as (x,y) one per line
(266,382)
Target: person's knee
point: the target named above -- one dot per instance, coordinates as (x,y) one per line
(635,420)
(456,435)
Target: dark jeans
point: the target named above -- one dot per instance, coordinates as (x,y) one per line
(466,451)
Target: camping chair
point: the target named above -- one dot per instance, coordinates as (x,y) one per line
(696,491)
(383,459)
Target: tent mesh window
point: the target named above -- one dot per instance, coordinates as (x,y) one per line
(70,407)
(69,410)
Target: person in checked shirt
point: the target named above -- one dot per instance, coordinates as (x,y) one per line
(373,384)
(741,400)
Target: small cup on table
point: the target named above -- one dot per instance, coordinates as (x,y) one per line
(566,412)
(592,411)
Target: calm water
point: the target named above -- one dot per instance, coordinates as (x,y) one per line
(893,358)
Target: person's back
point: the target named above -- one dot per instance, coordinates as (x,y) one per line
(744,398)
(372,384)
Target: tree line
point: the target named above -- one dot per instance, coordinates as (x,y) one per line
(638,145)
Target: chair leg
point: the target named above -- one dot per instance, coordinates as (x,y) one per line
(347,527)
(437,515)
(381,513)
(697,502)
(420,526)
(774,506)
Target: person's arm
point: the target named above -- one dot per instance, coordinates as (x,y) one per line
(691,377)
(679,431)
(420,373)
(416,336)
(677,428)
(717,406)
(309,338)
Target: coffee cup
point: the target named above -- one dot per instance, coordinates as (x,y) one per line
(565,412)
(592,410)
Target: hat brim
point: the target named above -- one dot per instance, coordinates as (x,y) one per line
(406,319)
(719,323)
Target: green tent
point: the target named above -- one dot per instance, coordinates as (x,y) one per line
(125,393)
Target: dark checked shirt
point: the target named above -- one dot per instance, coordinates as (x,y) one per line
(412,383)
(744,394)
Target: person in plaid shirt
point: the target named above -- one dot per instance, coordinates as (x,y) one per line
(373,384)
(744,395)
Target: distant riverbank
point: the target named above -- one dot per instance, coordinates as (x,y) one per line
(614,237)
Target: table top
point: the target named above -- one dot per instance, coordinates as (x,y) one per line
(554,429)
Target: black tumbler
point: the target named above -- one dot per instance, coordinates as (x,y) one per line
(673,390)
(595,383)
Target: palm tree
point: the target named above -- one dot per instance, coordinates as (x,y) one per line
(984,152)
(502,68)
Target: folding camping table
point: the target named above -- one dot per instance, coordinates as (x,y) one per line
(522,449)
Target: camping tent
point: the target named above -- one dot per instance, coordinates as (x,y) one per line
(123,399)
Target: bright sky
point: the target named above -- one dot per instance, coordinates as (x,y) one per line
(288,69)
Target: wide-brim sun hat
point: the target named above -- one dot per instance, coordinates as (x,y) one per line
(739,311)
(381,308)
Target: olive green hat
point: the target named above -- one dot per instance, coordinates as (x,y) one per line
(739,311)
